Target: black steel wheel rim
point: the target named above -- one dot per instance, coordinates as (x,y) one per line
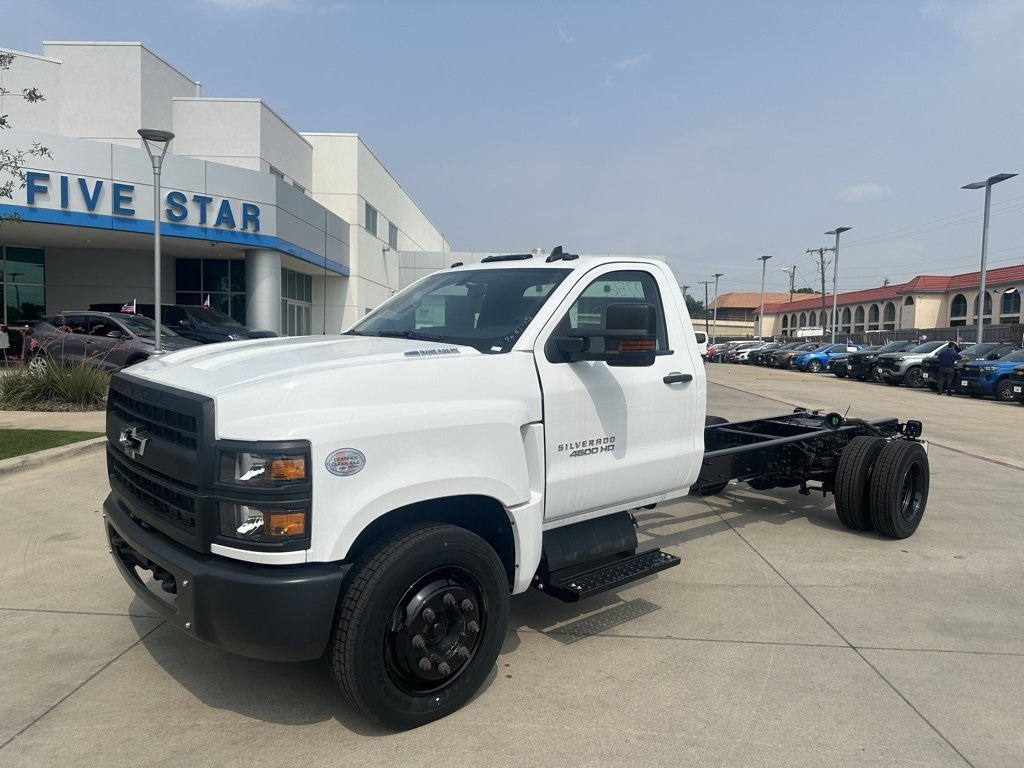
(911,493)
(435,631)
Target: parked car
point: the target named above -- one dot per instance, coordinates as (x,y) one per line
(780,358)
(717,352)
(839,366)
(755,354)
(738,354)
(702,343)
(905,367)
(763,356)
(863,364)
(202,324)
(990,378)
(108,340)
(988,350)
(1017,383)
(816,359)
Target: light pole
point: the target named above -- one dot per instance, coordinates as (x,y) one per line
(714,321)
(162,139)
(987,184)
(835,274)
(760,316)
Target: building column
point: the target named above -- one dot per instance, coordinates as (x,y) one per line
(263,289)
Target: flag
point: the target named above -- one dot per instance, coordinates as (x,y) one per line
(129,307)
(206,301)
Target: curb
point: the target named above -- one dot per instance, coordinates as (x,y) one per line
(29,460)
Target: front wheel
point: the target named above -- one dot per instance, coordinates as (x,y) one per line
(1004,391)
(814,366)
(899,488)
(914,379)
(421,620)
(37,363)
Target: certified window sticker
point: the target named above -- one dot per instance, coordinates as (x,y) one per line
(345,462)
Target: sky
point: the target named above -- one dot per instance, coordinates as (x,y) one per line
(709,133)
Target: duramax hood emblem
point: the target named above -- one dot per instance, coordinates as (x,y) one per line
(133,440)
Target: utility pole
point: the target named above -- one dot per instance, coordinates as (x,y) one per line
(714,320)
(684,287)
(792,279)
(823,266)
(706,283)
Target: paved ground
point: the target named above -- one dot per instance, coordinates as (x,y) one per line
(782,640)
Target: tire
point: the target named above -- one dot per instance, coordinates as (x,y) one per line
(814,366)
(715,488)
(1004,391)
(853,481)
(876,375)
(383,632)
(899,489)
(914,379)
(38,363)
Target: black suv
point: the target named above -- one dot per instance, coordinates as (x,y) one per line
(862,365)
(1017,384)
(987,350)
(201,324)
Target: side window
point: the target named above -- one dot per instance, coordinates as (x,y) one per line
(79,324)
(590,309)
(173,315)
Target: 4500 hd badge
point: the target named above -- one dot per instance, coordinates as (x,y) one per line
(588,447)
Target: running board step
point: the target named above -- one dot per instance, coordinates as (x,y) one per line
(584,581)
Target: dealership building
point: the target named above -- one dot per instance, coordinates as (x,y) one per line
(294,232)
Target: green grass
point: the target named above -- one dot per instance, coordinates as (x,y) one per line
(16,442)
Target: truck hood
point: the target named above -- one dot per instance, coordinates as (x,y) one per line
(217,369)
(288,388)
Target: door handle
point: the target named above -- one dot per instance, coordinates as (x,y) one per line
(678,378)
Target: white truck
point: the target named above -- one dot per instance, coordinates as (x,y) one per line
(378,496)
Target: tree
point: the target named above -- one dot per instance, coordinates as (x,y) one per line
(805,290)
(12,161)
(695,307)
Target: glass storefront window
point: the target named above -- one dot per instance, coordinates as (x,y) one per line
(222,281)
(22,284)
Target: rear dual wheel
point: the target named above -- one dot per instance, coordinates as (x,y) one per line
(882,485)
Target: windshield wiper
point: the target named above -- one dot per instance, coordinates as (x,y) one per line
(409,335)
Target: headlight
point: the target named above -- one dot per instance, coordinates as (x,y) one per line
(263,524)
(989,368)
(235,337)
(900,359)
(264,469)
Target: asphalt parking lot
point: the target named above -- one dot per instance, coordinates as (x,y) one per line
(783,639)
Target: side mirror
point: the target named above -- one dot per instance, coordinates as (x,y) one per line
(629,338)
(114,334)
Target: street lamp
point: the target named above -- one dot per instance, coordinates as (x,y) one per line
(987,184)
(835,273)
(714,321)
(162,140)
(760,316)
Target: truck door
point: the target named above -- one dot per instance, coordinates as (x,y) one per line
(615,434)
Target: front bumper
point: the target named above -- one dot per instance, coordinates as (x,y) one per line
(276,613)
(975,386)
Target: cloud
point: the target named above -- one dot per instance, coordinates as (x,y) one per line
(633,62)
(565,36)
(859,192)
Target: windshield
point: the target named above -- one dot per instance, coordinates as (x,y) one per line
(486,308)
(929,346)
(143,326)
(978,350)
(894,346)
(208,316)
(1014,357)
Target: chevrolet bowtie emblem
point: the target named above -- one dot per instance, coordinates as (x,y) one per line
(133,440)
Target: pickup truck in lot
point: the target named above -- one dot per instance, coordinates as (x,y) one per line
(862,365)
(990,378)
(988,350)
(378,496)
(905,367)
(1017,383)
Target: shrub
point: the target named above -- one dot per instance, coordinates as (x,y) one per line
(81,385)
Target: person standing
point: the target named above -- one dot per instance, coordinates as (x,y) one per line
(948,358)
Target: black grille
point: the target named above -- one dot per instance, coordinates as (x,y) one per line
(171,501)
(890,365)
(164,423)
